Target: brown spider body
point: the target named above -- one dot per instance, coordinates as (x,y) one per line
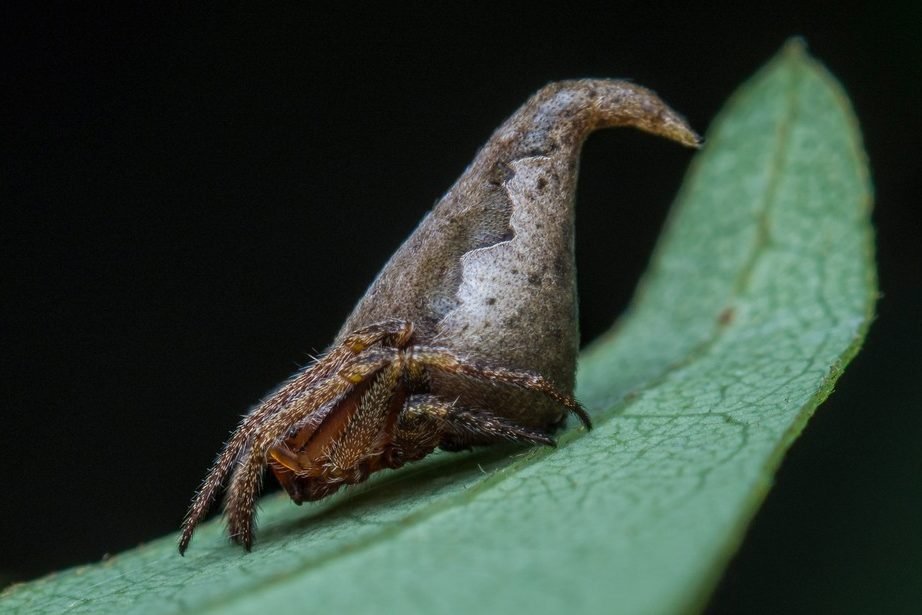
(469,334)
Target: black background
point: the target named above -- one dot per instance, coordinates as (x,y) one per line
(194,198)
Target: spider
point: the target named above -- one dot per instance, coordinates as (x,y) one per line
(368,404)
(484,349)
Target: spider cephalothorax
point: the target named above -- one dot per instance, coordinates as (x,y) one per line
(469,334)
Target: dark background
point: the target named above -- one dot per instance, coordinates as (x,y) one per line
(193,199)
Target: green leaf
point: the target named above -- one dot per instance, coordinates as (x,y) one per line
(761,290)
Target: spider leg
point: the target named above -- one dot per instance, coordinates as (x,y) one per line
(449,362)
(475,427)
(326,396)
(205,496)
(289,395)
(307,393)
(366,364)
(246,479)
(458,427)
(394,332)
(240,504)
(315,389)
(351,455)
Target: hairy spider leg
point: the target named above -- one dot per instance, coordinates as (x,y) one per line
(449,362)
(356,439)
(353,455)
(298,397)
(246,480)
(429,421)
(355,431)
